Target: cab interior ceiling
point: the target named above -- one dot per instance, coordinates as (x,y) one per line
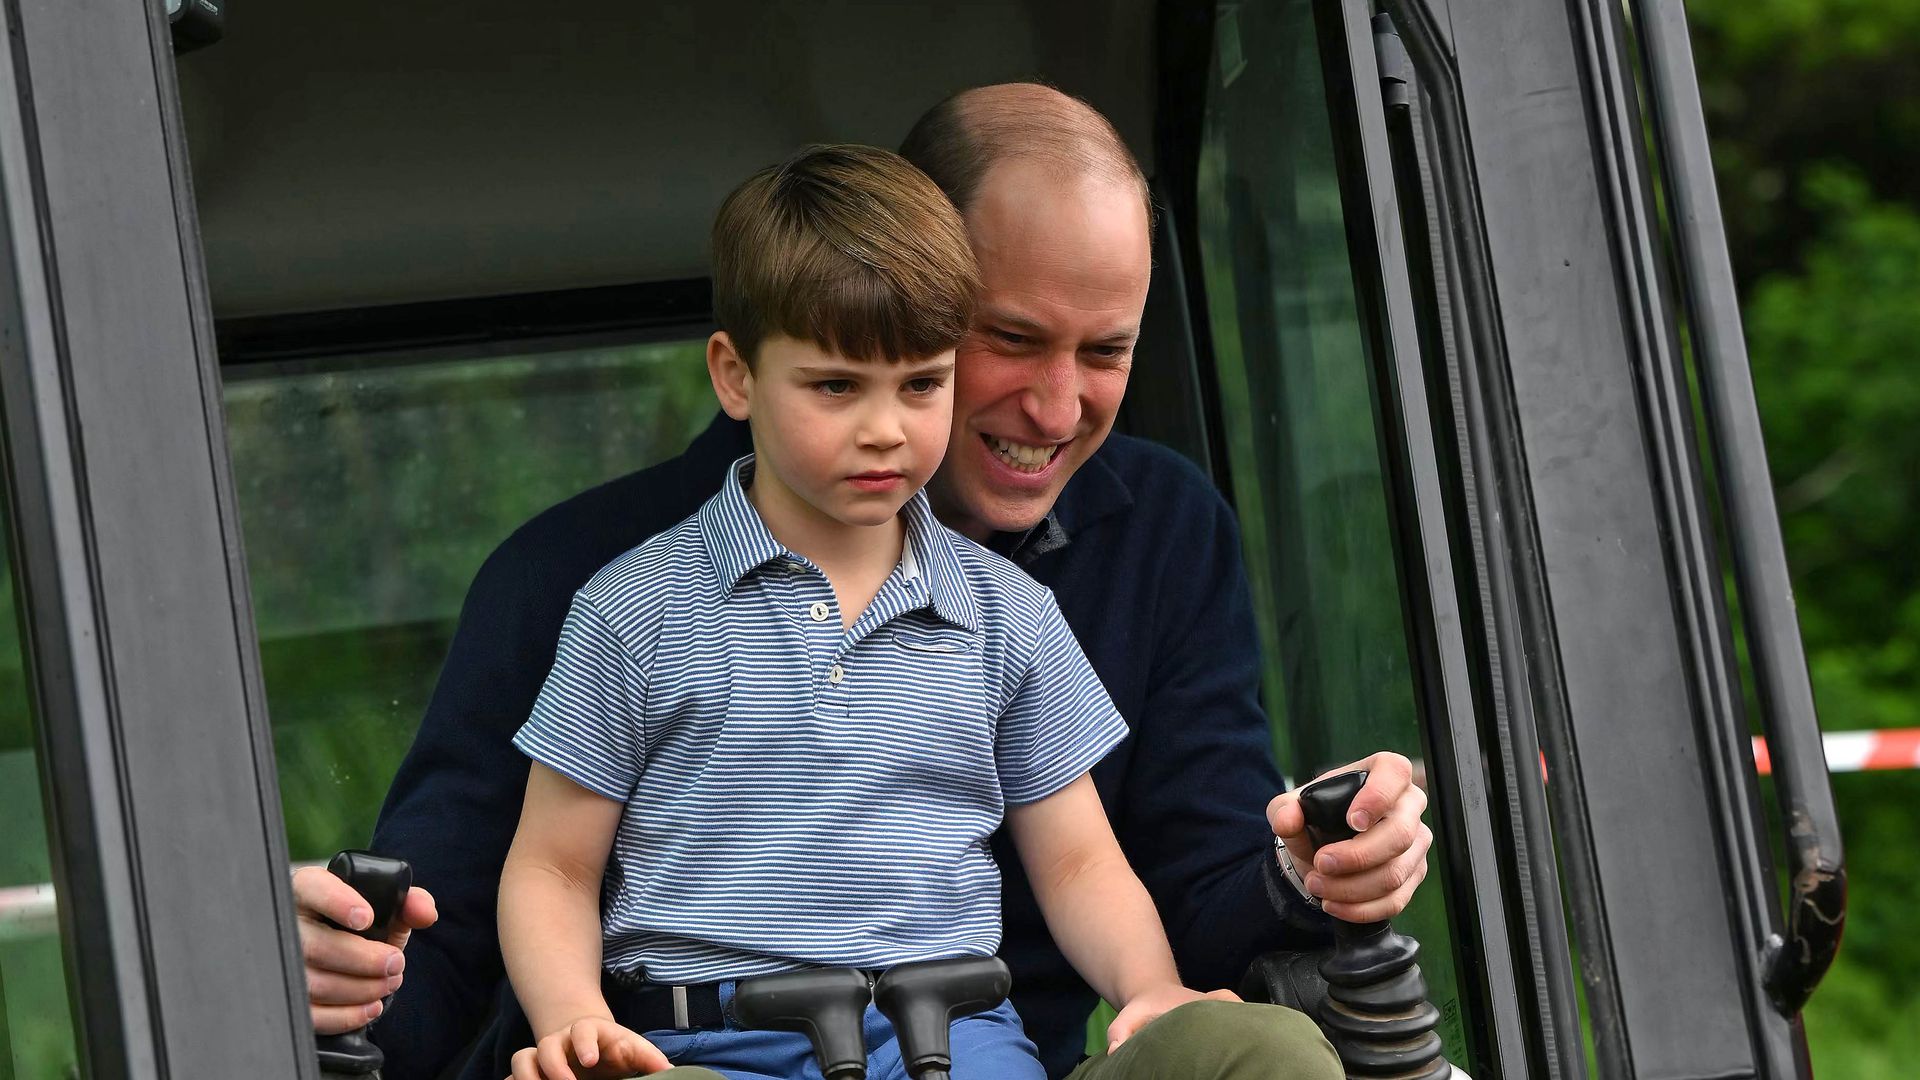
(357,154)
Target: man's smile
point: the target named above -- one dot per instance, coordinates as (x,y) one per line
(1022,457)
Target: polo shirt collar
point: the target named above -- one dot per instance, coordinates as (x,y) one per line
(736,539)
(738,542)
(931,544)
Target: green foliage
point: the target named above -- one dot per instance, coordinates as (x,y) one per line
(1810,34)
(1794,86)
(1833,371)
(1854,1026)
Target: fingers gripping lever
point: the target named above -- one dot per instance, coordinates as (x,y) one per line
(384,884)
(1377,1015)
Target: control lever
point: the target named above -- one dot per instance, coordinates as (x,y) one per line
(1377,1015)
(384,883)
(921,1000)
(827,1005)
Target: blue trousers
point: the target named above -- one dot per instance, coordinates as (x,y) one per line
(987,1046)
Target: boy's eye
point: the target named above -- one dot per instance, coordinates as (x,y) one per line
(924,385)
(834,387)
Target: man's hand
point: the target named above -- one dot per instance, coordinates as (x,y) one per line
(590,1048)
(347,975)
(1373,875)
(1149,1004)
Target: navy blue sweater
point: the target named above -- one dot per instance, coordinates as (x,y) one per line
(1150,581)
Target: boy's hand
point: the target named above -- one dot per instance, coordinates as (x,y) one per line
(347,975)
(590,1048)
(1151,1003)
(1373,875)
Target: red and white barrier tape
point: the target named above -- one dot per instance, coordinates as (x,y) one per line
(27,910)
(1856,751)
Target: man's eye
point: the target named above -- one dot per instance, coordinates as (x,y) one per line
(834,387)
(1012,338)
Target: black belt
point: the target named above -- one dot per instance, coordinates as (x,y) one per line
(645,1007)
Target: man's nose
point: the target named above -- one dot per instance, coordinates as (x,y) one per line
(1052,400)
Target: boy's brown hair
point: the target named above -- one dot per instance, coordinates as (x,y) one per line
(848,247)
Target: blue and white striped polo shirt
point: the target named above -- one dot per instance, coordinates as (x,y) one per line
(795,792)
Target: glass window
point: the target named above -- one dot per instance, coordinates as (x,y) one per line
(36,1026)
(1302,427)
(371,490)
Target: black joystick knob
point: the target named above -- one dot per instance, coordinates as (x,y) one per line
(1376,1015)
(922,999)
(827,1005)
(1325,804)
(383,882)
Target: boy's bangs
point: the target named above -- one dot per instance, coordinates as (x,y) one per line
(863,313)
(849,248)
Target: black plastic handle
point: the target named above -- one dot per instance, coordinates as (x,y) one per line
(921,999)
(383,883)
(1325,804)
(827,1005)
(1376,1015)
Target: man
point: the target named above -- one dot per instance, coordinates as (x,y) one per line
(1140,552)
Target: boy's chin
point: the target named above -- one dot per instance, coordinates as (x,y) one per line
(867,517)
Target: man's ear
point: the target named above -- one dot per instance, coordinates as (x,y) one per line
(732,378)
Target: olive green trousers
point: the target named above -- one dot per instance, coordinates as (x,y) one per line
(1220,1040)
(1202,1040)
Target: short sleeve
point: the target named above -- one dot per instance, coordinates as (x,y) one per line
(1058,721)
(587,723)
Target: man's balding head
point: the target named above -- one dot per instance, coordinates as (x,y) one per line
(960,140)
(1057,212)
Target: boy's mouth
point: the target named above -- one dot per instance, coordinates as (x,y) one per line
(876,481)
(1021,457)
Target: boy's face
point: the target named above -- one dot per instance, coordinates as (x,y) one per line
(846,440)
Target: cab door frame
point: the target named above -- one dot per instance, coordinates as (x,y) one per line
(168,847)
(1598,495)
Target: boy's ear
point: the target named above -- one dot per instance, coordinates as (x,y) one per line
(732,378)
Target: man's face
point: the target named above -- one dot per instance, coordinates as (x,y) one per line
(1063,267)
(843,440)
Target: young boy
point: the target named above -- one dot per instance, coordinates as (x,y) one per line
(781,733)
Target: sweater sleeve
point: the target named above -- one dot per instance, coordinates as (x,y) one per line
(1202,771)
(453,806)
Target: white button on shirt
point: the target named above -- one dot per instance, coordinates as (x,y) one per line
(835,674)
(819,611)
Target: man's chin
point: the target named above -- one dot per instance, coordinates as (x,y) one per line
(1012,514)
(977,508)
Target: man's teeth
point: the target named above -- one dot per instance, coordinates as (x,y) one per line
(1020,456)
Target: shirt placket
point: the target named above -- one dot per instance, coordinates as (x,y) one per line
(819,620)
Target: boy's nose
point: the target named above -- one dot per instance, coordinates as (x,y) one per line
(881,429)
